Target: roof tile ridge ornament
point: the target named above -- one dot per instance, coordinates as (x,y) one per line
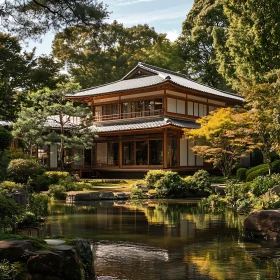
(167,120)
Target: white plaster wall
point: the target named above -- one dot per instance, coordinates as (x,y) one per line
(191,156)
(181,107)
(183,152)
(171,105)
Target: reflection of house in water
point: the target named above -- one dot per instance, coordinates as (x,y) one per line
(110,218)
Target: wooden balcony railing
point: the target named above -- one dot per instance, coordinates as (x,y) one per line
(130,115)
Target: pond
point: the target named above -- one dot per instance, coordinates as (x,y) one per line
(164,240)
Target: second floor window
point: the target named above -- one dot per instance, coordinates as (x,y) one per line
(132,109)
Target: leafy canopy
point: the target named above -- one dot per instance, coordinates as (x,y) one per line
(248,48)
(224,137)
(196,42)
(52,119)
(33,18)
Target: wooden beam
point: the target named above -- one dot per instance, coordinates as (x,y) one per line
(165,148)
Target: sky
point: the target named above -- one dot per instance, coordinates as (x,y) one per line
(166,16)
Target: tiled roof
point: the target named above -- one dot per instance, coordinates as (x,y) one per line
(121,86)
(142,124)
(158,76)
(182,80)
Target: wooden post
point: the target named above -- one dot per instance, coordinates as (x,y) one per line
(165,148)
(120,152)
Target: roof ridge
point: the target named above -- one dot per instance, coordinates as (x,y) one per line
(183,76)
(156,68)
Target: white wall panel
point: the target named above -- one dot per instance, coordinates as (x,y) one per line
(171,105)
(190,108)
(191,156)
(181,107)
(183,152)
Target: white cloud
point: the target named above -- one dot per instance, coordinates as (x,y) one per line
(121,3)
(178,12)
(172,35)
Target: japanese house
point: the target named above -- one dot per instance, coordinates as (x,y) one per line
(140,120)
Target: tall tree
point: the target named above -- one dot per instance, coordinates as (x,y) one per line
(263,101)
(223,138)
(46,72)
(196,42)
(249,48)
(95,58)
(32,18)
(13,75)
(50,121)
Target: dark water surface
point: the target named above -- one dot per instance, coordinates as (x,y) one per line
(164,240)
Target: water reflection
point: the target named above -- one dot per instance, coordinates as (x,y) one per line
(164,240)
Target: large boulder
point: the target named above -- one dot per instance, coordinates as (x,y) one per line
(45,263)
(107,195)
(82,196)
(72,266)
(83,249)
(263,224)
(15,250)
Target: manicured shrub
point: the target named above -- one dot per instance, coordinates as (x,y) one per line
(17,154)
(171,185)
(241,174)
(19,170)
(262,184)
(56,176)
(42,182)
(275,166)
(259,172)
(57,192)
(202,181)
(253,169)
(153,176)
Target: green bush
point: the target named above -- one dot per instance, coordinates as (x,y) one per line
(235,192)
(241,174)
(8,271)
(57,192)
(153,176)
(275,166)
(253,169)
(77,186)
(9,210)
(38,204)
(6,187)
(18,154)
(56,176)
(259,172)
(202,181)
(27,219)
(171,185)
(42,182)
(244,206)
(19,170)
(262,184)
